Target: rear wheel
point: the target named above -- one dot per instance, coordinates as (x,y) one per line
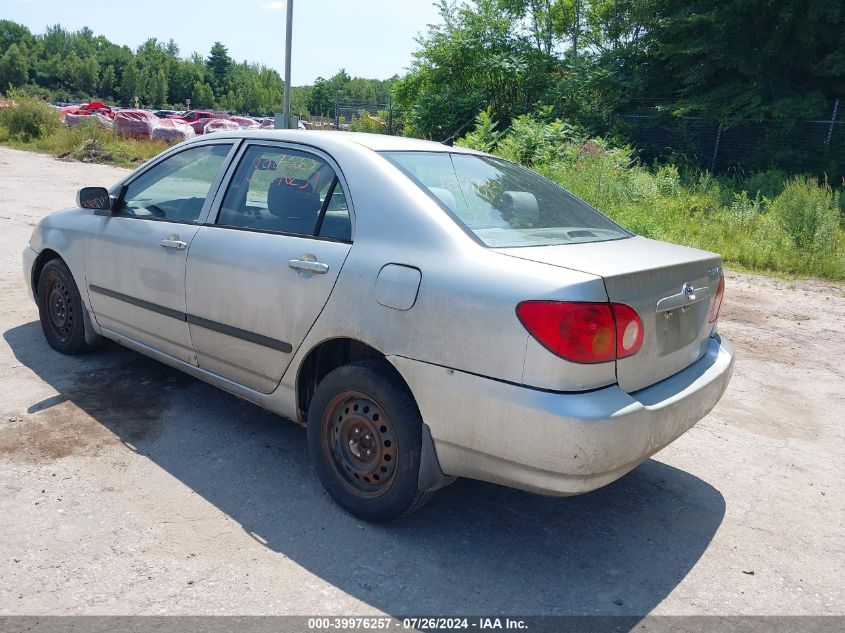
(60,309)
(364,435)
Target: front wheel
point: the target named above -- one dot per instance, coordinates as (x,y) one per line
(60,309)
(364,435)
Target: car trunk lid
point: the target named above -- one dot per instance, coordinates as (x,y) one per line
(671,287)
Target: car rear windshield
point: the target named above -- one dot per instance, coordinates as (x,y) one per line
(503,204)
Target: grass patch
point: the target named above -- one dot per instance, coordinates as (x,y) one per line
(33,125)
(90,144)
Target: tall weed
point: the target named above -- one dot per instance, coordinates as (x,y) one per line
(762,222)
(29,119)
(809,212)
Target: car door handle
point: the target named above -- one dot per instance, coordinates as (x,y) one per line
(318,268)
(174,242)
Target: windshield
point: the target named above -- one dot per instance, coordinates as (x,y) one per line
(503,204)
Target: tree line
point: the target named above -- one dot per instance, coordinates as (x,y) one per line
(62,65)
(583,61)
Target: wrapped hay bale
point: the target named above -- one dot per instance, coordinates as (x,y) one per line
(198,126)
(135,123)
(76,120)
(172,130)
(103,120)
(220,125)
(245,123)
(65,110)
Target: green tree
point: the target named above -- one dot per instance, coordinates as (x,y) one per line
(107,80)
(218,65)
(56,41)
(120,58)
(152,54)
(740,60)
(183,75)
(14,68)
(300,98)
(479,56)
(541,19)
(341,87)
(158,92)
(71,73)
(129,85)
(202,95)
(89,74)
(14,33)
(49,71)
(321,100)
(616,24)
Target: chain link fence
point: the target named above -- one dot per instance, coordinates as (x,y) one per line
(386,115)
(814,145)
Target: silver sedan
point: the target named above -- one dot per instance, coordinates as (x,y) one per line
(427,312)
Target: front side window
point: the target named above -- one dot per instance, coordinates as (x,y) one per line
(286,191)
(177,187)
(503,204)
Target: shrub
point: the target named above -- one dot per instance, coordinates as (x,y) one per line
(484,137)
(767,183)
(530,141)
(30,118)
(368,123)
(744,209)
(668,180)
(809,213)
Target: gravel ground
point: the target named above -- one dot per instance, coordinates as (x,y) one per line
(129,488)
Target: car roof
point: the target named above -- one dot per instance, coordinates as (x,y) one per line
(325,138)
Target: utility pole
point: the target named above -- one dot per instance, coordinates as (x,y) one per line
(288,34)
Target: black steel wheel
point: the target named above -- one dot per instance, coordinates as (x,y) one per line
(60,309)
(360,444)
(364,435)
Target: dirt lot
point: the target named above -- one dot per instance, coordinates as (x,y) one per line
(129,488)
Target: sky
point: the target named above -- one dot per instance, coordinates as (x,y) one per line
(369,38)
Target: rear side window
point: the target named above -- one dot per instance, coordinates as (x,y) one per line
(503,204)
(286,191)
(176,188)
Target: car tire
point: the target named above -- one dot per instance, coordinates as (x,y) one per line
(60,309)
(365,437)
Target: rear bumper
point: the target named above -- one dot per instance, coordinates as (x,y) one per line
(553,443)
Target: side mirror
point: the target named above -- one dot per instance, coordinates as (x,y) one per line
(96,198)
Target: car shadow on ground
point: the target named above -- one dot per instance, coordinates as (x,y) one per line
(474,549)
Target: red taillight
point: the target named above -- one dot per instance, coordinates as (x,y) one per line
(583,332)
(717,301)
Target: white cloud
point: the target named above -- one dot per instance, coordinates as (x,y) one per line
(274,6)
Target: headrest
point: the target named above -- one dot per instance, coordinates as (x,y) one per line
(445,196)
(292,198)
(518,208)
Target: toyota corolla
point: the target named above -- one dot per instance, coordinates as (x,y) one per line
(426,312)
